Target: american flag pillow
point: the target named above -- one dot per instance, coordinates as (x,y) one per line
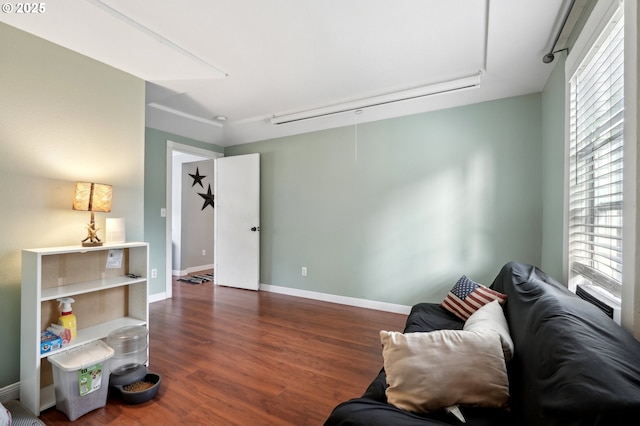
(468,296)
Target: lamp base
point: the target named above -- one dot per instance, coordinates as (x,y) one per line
(92,239)
(91,243)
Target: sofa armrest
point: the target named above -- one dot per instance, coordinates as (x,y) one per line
(573,365)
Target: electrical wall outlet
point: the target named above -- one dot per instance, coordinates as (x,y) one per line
(304,271)
(154,273)
(204,252)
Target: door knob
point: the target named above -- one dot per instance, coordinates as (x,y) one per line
(255,228)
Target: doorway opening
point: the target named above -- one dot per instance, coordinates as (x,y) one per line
(178,155)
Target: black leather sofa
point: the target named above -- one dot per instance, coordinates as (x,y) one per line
(572,364)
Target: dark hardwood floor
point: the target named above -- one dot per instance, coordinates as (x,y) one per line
(237,357)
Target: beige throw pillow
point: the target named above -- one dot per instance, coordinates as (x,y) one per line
(430,371)
(491,317)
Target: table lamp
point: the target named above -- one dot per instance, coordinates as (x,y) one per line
(93,197)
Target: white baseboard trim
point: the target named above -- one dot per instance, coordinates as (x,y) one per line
(10,392)
(191,270)
(157,297)
(342,300)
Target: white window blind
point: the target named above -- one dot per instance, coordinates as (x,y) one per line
(596,124)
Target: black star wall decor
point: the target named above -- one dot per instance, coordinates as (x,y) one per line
(197,178)
(208,197)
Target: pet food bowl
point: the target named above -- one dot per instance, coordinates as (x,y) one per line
(125,377)
(141,390)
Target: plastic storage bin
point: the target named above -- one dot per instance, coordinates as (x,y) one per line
(130,349)
(81,378)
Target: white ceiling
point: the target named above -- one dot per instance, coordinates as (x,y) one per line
(252,59)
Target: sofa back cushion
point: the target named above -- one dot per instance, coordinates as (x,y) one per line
(573,365)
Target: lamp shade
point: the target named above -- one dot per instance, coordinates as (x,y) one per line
(92,197)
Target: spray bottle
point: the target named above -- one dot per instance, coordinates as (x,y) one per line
(67,318)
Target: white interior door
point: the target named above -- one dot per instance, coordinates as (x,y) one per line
(237,221)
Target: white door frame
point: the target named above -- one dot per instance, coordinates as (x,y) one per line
(188,149)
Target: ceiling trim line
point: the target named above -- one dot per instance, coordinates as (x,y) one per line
(486,35)
(163,40)
(184,114)
(449,86)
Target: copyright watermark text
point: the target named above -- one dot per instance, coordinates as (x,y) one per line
(24,8)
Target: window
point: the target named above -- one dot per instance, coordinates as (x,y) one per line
(596,129)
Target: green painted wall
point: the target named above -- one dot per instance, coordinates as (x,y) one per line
(415,203)
(155,183)
(553,118)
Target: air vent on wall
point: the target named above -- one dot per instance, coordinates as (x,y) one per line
(609,304)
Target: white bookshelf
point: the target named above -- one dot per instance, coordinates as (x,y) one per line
(106,299)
